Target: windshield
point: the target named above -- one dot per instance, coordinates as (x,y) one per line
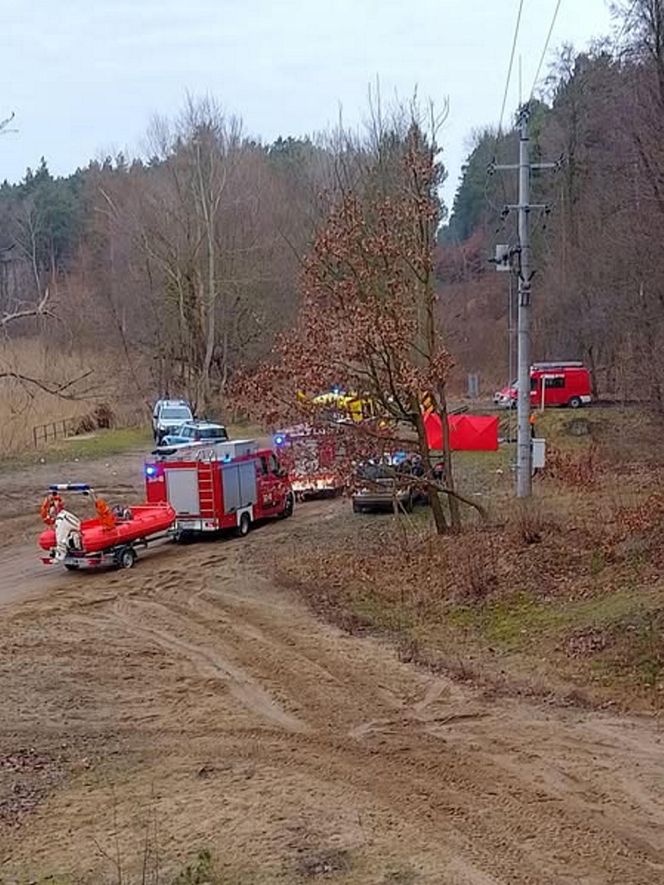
(176,413)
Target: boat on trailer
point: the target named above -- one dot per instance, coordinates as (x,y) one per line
(112,538)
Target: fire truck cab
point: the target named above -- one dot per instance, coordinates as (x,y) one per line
(227,486)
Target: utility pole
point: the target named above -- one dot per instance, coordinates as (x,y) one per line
(524,451)
(524,455)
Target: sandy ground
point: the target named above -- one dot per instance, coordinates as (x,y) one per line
(194,704)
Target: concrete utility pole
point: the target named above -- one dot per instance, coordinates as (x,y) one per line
(524,457)
(524,454)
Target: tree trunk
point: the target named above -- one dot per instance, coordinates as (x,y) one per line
(434,498)
(592,365)
(431,348)
(455,513)
(210,315)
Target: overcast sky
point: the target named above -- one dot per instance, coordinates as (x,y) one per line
(85,76)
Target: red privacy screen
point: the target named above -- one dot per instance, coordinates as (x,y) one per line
(468,433)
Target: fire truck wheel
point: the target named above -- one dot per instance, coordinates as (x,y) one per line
(244,525)
(575,402)
(71,567)
(126,557)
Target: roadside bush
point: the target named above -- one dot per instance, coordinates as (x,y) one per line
(101,417)
(529,522)
(475,575)
(578,469)
(104,416)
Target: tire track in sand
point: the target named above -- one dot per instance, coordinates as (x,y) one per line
(207,663)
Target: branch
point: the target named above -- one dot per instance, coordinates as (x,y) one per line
(451,493)
(60,390)
(37,310)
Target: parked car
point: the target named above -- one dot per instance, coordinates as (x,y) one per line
(168,415)
(563,383)
(379,486)
(196,432)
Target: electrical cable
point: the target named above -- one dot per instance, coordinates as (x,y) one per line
(511,65)
(515,38)
(546,46)
(626,22)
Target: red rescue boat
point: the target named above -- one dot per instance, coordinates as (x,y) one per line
(110,538)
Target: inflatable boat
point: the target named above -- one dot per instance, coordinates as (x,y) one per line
(109,538)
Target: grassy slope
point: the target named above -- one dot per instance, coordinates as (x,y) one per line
(577,613)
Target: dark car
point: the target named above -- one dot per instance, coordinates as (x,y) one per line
(382,486)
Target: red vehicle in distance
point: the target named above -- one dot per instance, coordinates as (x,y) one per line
(563,383)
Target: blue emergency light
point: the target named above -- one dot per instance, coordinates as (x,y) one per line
(150,470)
(279,439)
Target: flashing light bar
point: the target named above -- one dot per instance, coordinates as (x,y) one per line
(69,487)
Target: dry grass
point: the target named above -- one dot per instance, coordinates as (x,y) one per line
(24,404)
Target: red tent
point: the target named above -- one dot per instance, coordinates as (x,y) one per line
(468,433)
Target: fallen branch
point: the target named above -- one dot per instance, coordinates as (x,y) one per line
(36,311)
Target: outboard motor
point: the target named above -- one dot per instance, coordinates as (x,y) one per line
(67,534)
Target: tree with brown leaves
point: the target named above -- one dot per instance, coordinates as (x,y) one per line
(367,320)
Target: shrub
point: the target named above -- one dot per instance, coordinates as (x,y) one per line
(573,468)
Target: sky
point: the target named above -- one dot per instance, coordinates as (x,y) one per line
(84,77)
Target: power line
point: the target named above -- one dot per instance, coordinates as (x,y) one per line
(626,23)
(546,46)
(511,64)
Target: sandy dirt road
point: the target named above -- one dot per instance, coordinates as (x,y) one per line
(194,704)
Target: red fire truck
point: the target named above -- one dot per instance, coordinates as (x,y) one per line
(310,456)
(562,383)
(226,486)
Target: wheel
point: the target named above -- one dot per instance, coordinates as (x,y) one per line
(71,567)
(126,557)
(357,507)
(244,525)
(289,507)
(575,403)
